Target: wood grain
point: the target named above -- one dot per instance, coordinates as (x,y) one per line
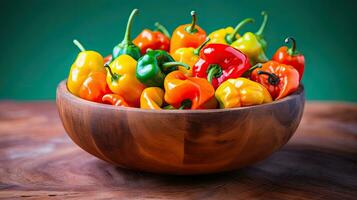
(39,161)
(180,141)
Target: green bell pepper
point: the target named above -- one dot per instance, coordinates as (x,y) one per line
(127,46)
(152,67)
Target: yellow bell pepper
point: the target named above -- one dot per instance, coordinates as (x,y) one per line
(121,79)
(241,92)
(188,55)
(152,98)
(85,63)
(253,44)
(228,35)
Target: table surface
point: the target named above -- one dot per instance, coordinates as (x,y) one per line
(39,161)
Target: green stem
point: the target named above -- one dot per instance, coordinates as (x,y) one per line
(187,103)
(273,79)
(214,71)
(292,49)
(198,49)
(129,24)
(162,29)
(192,28)
(173,64)
(262,26)
(231,37)
(114,76)
(250,70)
(79,45)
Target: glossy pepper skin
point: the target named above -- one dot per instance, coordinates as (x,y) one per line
(155,40)
(241,92)
(220,62)
(127,46)
(280,79)
(253,44)
(185,92)
(94,87)
(228,35)
(152,68)
(85,63)
(122,81)
(187,35)
(114,99)
(152,98)
(290,56)
(189,56)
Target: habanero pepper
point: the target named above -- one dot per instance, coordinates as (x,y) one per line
(152,98)
(155,40)
(187,35)
(114,99)
(127,46)
(241,92)
(185,92)
(253,44)
(86,63)
(290,56)
(189,56)
(228,35)
(280,79)
(122,81)
(152,67)
(220,62)
(94,87)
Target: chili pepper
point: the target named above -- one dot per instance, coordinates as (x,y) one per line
(185,92)
(280,79)
(94,87)
(85,63)
(228,35)
(107,59)
(220,62)
(253,45)
(241,92)
(127,46)
(152,98)
(115,99)
(153,67)
(187,35)
(290,56)
(188,55)
(155,40)
(122,81)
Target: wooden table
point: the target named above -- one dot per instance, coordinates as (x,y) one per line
(38,161)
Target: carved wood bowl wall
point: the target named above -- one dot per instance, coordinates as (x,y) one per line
(180,141)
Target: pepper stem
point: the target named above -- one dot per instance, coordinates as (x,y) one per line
(79,45)
(129,24)
(198,49)
(262,26)
(114,76)
(214,71)
(250,70)
(187,103)
(162,29)
(230,38)
(192,29)
(173,64)
(273,79)
(292,49)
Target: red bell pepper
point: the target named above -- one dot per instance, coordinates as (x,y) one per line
(220,62)
(290,56)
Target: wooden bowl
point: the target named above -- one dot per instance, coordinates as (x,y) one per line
(180,141)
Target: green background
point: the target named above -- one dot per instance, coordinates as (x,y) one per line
(37,50)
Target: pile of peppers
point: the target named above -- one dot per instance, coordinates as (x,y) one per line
(188,69)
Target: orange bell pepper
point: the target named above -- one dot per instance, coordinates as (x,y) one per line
(280,79)
(187,35)
(94,87)
(188,92)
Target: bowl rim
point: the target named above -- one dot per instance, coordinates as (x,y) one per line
(62,88)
